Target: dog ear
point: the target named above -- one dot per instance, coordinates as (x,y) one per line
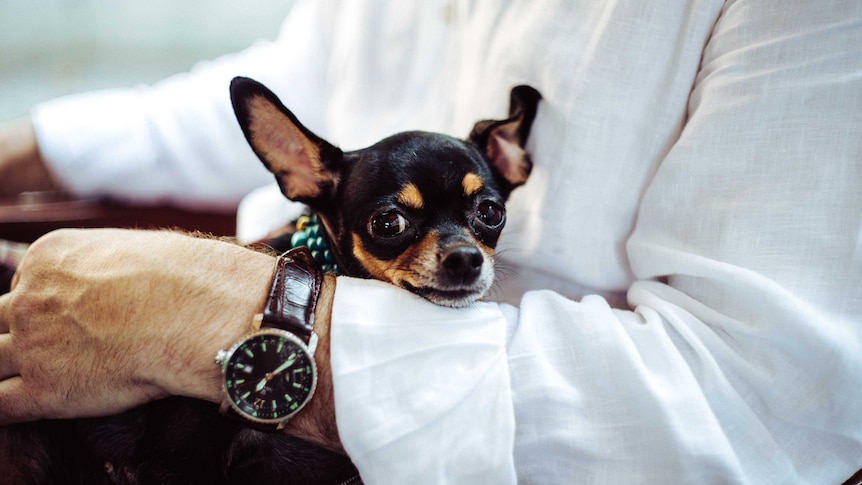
(503,140)
(303,163)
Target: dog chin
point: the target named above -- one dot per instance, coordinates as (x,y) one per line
(454,298)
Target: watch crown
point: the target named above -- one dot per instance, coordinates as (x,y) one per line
(220,358)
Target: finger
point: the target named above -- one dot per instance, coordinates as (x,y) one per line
(15,404)
(7,359)
(14,282)
(5,310)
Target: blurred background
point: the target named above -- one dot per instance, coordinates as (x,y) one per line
(50,48)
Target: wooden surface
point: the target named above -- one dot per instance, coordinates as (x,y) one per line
(31,215)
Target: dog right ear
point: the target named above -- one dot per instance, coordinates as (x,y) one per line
(303,163)
(503,140)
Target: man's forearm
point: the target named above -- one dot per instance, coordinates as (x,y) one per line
(103,320)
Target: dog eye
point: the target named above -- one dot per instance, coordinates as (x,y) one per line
(387,224)
(490,213)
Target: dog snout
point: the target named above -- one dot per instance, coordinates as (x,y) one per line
(463,264)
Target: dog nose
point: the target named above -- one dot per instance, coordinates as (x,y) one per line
(463,264)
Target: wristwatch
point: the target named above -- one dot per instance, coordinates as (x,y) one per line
(270,374)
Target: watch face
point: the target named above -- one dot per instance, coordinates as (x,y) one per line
(269,376)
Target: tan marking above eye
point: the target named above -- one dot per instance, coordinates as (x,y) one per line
(472,183)
(411,197)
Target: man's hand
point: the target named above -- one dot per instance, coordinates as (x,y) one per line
(99,321)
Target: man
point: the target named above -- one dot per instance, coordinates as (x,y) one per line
(700,159)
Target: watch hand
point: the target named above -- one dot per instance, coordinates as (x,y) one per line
(260,385)
(289,362)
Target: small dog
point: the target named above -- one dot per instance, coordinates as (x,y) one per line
(420,210)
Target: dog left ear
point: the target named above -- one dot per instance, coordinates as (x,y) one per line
(304,164)
(503,140)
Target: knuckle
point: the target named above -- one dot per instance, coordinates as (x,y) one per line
(44,259)
(50,244)
(25,308)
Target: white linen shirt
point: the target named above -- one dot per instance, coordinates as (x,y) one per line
(680,299)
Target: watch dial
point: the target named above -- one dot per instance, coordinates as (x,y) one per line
(270,376)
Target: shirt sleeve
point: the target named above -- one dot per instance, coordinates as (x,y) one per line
(178,140)
(547,392)
(422,392)
(738,359)
(556,390)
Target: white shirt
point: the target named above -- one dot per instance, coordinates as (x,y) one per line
(681,271)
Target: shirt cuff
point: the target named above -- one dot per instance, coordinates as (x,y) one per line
(422,392)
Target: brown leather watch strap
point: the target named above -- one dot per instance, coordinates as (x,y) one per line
(293,296)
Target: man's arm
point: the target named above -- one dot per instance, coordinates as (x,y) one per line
(176,140)
(100,321)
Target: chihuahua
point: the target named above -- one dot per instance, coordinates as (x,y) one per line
(420,210)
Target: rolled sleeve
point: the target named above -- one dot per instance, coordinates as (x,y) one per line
(422,392)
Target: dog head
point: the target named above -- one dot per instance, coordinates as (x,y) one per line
(417,209)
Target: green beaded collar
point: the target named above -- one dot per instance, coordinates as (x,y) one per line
(309,234)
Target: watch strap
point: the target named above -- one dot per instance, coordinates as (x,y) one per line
(290,306)
(292,298)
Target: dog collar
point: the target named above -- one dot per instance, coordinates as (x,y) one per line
(309,233)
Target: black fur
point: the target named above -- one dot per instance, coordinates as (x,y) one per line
(175,441)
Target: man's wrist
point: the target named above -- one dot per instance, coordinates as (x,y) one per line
(316,422)
(229,300)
